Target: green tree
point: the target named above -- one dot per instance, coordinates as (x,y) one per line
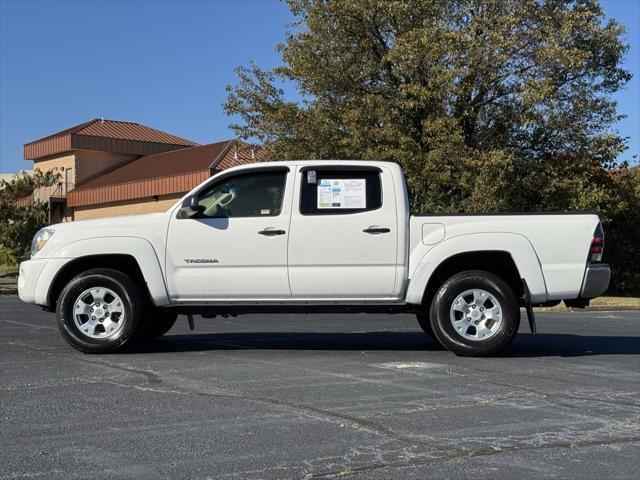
(22,214)
(486,104)
(623,230)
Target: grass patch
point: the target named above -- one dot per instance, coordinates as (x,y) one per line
(600,303)
(624,301)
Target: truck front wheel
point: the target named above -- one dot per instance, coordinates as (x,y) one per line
(475,313)
(100,311)
(158,322)
(425,323)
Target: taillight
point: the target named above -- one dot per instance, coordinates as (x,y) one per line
(597,244)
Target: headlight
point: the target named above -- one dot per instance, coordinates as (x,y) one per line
(40,239)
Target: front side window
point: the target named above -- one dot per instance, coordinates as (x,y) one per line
(255,194)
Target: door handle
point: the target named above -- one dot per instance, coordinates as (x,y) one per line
(376,230)
(271,233)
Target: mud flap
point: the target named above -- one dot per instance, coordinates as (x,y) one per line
(529,307)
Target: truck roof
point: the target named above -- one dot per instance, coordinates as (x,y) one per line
(294,163)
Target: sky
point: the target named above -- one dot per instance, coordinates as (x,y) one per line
(164,64)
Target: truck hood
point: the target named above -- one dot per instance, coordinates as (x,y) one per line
(152,227)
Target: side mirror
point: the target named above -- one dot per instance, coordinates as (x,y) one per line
(190,207)
(195,205)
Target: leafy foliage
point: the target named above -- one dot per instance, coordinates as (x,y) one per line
(622,248)
(488,105)
(21,214)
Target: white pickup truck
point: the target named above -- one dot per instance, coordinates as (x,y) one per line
(320,236)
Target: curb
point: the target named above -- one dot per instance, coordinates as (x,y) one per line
(592,308)
(9,284)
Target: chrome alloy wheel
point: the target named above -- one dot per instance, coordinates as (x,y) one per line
(99,313)
(476,315)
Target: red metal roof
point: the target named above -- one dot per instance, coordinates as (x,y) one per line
(166,173)
(106,135)
(129,131)
(160,165)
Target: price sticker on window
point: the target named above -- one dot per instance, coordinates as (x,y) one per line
(342,193)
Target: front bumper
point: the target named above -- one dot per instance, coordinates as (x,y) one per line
(596,280)
(30,271)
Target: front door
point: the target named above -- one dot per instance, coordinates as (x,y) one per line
(237,248)
(344,241)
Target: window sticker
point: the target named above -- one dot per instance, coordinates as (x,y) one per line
(342,193)
(311,176)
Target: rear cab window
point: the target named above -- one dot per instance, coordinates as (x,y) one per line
(339,190)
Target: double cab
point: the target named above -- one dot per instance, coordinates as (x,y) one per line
(305,236)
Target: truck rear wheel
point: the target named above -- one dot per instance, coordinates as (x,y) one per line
(100,311)
(475,313)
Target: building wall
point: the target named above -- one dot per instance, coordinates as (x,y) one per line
(65,165)
(83,163)
(127,207)
(75,167)
(61,162)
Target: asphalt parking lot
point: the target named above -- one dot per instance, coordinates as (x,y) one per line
(321,396)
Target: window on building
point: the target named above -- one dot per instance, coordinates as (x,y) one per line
(68,180)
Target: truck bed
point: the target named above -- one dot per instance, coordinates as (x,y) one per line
(560,242)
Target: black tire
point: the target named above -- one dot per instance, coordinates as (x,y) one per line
(158,322)
(133,306)
(441,309)
(425,323)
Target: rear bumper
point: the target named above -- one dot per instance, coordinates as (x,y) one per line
(596,280)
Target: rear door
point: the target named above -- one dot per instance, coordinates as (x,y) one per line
(343,239)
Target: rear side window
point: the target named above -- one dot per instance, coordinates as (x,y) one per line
(339,191)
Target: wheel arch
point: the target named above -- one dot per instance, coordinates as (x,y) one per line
(514,260)
(132,256)
(497,262)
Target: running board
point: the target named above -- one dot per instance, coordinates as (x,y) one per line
(211,311)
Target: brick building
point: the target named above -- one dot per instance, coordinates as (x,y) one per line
(110,167)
